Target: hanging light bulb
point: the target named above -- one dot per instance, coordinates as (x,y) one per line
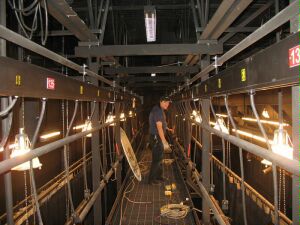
(265,114)
(87,126)
(110,118)
(21,147)
(220,125)
(122,116)
(130,114)
(196,116)
(281,145)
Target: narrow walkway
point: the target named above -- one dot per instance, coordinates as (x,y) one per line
(141,202)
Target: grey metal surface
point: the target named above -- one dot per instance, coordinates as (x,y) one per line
(151,69)
(33,83)
(103,23)
(64,14)
(148,49)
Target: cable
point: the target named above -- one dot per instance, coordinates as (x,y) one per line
(66,163)
(241,161)
(31,173)
(11,105)
(274,169)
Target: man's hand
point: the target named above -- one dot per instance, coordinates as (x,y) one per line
(166,146)
(171,130)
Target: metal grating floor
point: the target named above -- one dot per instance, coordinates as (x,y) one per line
(142,202)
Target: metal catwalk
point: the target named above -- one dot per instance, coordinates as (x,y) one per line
(141,202)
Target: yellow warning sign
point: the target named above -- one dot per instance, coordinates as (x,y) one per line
(18,80)
(243,75)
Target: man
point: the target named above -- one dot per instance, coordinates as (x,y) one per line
(158,142)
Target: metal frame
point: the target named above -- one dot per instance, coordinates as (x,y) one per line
(247,74)
(147,49)
(22,79)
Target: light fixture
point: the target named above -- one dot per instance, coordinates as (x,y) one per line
(79,127)
(153,74)
(270,122)
(49,135)
(220,125)
(265,114)
(11,146)
(221,115)
(281,145)
(196,116)
(130,114)
(150,23)
(22,146)
(110,118)
(122,116)
(87,126)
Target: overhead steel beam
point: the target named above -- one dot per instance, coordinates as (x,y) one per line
(26,80)
(233,29)
(248,20)
(265,70)
(171,79)
(154,85)
(64,14)
(55,33)
(148,49)
(151,69)
(279,19)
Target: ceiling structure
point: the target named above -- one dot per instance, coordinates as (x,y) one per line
(188,31)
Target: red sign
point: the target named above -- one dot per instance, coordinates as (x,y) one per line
(50,83)
(294,56)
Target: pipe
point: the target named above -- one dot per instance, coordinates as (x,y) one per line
(95,195)
(7,130)
(241,161)
(289,165)
(205,195)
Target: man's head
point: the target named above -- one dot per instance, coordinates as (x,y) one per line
(164,102)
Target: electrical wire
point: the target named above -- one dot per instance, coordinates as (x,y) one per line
(11,105)
(223,151)
(274,167)
(241,161)
(31,172)
(66,163)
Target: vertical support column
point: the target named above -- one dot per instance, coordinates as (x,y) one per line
(294,27)
(206,146)
(103,24)
(205,161)
(118,143)
(4,104)
(295,120)
(188,137)
(96,176)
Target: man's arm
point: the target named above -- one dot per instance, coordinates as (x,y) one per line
(161,134)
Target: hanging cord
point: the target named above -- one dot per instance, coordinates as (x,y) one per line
(74,214)
(9,123)
(241,160)
(31,172)
(274,169)
(223,150)
(12,103)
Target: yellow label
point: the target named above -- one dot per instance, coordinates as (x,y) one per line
(18,80)
(219,83)
(81,90)
(205,88)
(243,75)
(98,93)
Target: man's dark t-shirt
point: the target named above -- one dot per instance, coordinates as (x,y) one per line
(156,115)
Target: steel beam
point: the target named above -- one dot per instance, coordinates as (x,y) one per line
(148,49)
(133,79)
(248,20)
(64,14)
(151,69)
(23,79)
(278,20)
(103,24)
(252,73)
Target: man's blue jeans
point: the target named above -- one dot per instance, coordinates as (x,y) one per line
(157,158)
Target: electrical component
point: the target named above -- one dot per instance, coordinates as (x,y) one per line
(265,114)
(220,125)
(87,126)
(22,146)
